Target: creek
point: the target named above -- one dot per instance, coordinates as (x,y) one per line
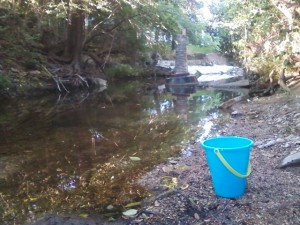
(82,153)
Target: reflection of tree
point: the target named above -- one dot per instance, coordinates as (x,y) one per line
(181,105)
(205,100)
(60,171)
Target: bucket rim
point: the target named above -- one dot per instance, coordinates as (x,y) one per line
(251,142)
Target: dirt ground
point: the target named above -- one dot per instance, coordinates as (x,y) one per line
(272,195)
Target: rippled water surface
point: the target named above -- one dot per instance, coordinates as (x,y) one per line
(82,153)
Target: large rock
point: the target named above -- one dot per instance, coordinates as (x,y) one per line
(291,160)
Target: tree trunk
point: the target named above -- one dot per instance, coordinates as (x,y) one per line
(74,45)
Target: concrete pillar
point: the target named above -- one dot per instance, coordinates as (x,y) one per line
(181,58)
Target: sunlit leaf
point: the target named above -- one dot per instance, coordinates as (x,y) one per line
(84,215)
(130,212)
(169,182)
(132,204)
(134,158)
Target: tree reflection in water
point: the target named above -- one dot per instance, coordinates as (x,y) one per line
(74,158)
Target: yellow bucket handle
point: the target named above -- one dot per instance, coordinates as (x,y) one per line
(226,164)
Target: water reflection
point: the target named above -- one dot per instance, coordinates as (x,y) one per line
(77,156)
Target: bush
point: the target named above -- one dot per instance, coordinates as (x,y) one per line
(122,70)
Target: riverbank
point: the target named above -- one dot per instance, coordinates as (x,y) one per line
(272,196)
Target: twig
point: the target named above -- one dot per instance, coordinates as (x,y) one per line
(63,85)
(111,45)
(84,98)
(161,195)
(53,77)
(84,80)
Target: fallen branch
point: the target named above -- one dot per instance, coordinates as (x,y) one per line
(231,102)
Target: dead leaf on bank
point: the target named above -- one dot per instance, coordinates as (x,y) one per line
(185,186)
(84,215)
(169,182)
(132,204)
(134,158)
(130,212)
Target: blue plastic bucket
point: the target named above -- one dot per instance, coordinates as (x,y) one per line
(229,164)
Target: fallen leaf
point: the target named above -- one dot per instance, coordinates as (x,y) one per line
(169,182)
(132,204)
(130,212)
(84,215)
(134,158)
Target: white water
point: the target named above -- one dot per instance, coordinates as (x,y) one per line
(208,73)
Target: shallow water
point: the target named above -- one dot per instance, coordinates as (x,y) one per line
(82,153)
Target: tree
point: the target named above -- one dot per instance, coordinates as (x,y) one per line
(72,29)
(267,32)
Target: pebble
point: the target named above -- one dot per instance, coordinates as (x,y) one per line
(34,72)
(236,113)
(286,145)
(197,217)
(268,144)
(279,140)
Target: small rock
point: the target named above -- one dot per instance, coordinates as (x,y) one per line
(297,115)
(285,107)
(14,70)
(258,143)
(173,162)
(286,145)
(110,207)
(291,160)
(34,72)
(236,113)
(197,217)
(156,204)
(268,144)
(279,140)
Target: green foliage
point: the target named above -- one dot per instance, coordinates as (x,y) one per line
(192,49)
(259,33)
(122,70)
(31,28)
(5,81)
